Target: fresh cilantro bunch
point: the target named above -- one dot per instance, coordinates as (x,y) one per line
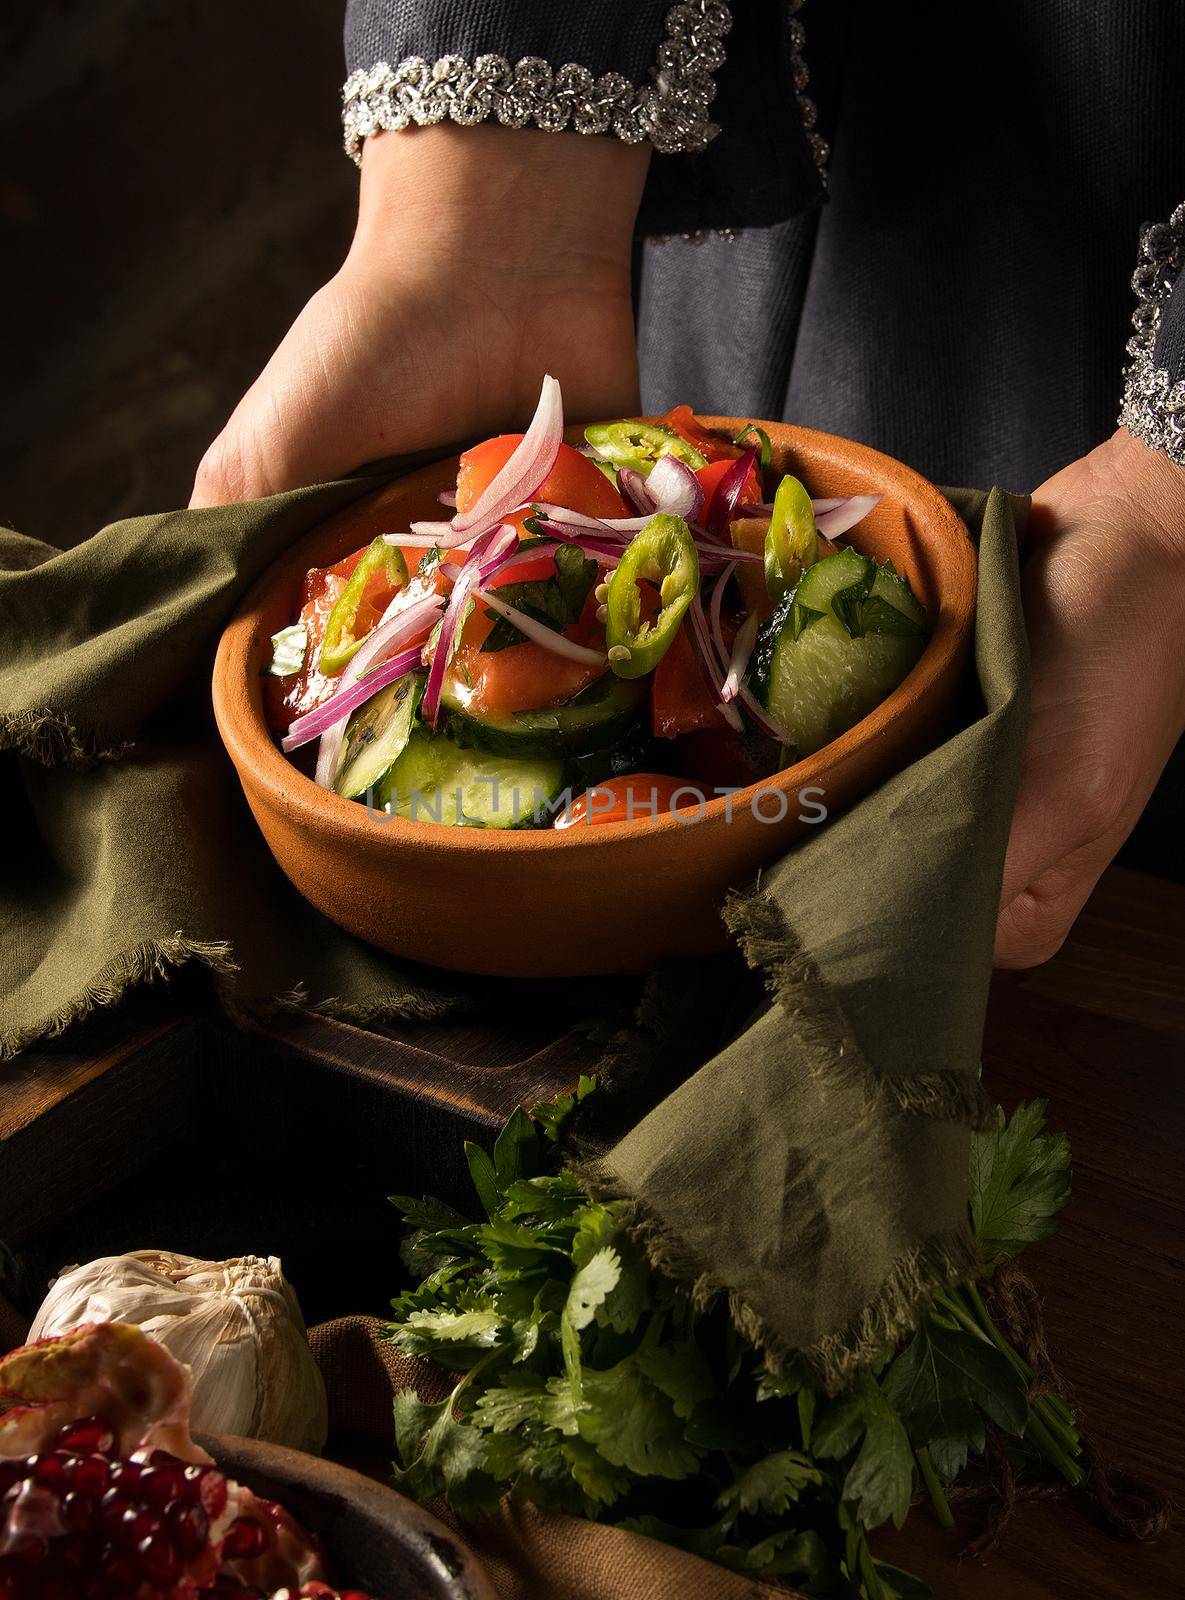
(592,1385)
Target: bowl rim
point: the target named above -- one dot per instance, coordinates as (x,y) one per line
(329,1480)
(251,746)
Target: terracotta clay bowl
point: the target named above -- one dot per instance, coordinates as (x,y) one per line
(614,897)
(375,1540)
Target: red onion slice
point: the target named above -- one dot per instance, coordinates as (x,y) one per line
(542,634)
(502,544)
(443,651)
(766,509)
(577,528)
(447,497)
(607,551)
(711,668)
(627,526)
(631,486)
(494,569)
(494,539)
(674,488)
(427,535)
(723,504)
(741,651)
(762,718)
(846,515)
(715,629)
(526,469)
(306,728)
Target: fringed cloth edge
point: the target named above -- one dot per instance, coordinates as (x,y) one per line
(53,740)
(797,986)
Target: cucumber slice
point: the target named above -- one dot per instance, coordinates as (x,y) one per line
(597,717)
(434,780)
(837,645)
(376,735)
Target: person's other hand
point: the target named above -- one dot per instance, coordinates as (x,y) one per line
(483,258)
(1104,589)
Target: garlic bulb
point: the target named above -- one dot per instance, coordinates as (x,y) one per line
(236,1324)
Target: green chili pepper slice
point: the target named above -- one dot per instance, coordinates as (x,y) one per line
(639,445)
(663,553)
(791,540)
(339,643)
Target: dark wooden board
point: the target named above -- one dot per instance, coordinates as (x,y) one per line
(301,1128)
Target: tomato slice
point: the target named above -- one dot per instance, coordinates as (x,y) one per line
(683,421)
(680,700)
(573,482)
(287,698)
(525,676)
(629,799)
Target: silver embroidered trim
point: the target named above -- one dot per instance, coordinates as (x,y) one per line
(1153,406)
(801,78)
(671,110)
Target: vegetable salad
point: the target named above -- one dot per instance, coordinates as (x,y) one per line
(596,633)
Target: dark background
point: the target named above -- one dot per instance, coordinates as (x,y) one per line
(172,189)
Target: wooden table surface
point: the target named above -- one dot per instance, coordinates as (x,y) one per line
(1099,1032)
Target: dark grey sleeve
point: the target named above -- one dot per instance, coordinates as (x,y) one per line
(1154,390)
(717,90)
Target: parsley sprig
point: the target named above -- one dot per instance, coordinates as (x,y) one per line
(590,1384)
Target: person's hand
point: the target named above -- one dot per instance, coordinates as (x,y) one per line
(1104,588)
(483,258)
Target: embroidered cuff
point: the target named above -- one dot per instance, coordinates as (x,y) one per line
(671,110)
(1153,402)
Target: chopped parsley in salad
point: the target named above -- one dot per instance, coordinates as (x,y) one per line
(636,617)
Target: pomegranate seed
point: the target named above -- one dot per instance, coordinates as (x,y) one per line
(244,1538)
(113,1505)
(158,1560)
(126,1474)
(77,1511)
(162,1483)
(136,1525)
(189,1526)
(90,1476)
(50,1471)
(90,1436)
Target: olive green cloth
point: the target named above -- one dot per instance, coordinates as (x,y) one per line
(130,850)
(815,1170)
